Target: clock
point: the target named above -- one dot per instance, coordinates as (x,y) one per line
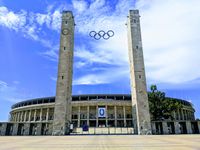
(65,31)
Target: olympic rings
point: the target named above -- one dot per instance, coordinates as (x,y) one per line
(101,34)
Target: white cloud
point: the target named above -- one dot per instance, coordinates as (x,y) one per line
(11,92)
(42,19)
(106,76)
(170,39)
(51,53)
(91,79)
(30,24)
(9,19)
(80,64)
(107,52)
(170,32)
(79,5)
(53,78)
(3,85)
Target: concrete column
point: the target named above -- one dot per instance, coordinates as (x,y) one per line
(29,116)
(14,117)
(35,115)
(25,114)
(165,128)
(188,127)
(79,115)
(3,129)
(177,127)
(178,111)
(62,111)
(174,115)
(20,118)
(182,114)
(137,75)
(153,127)
(186,113)
(88,113)
(198,123)
(26,128)
(124,109)
(106,116)
(47,115)
(97,118)
(50,128)
(39,128)
(186,117)
(41,114)
(115,108)
(15,129)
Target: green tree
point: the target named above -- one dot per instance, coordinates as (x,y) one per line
(161,107)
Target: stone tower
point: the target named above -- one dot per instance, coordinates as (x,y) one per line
(62,112)
(141,115)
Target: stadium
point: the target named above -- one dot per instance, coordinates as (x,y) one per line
(67,114)
(118,113)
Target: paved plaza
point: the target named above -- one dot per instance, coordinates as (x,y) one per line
(101,142)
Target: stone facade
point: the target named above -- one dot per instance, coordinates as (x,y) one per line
(36,117)
(175,127)
(137,73)
(62,115)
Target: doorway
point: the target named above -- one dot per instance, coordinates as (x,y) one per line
(102,123)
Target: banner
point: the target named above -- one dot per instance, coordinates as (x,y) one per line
(101,112)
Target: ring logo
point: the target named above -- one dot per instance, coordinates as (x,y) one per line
(101,34)
(101,112)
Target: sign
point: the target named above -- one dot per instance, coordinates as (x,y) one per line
(101,112)
(71,126)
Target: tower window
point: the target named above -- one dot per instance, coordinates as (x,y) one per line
(66,22)
(137,47)
(62,77)
(134,20)
(140,76)
(64,48)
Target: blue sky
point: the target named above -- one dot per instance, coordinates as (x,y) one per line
(29,43)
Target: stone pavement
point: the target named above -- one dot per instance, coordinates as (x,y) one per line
(101,142)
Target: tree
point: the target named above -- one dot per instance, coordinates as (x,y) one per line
(161,107)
